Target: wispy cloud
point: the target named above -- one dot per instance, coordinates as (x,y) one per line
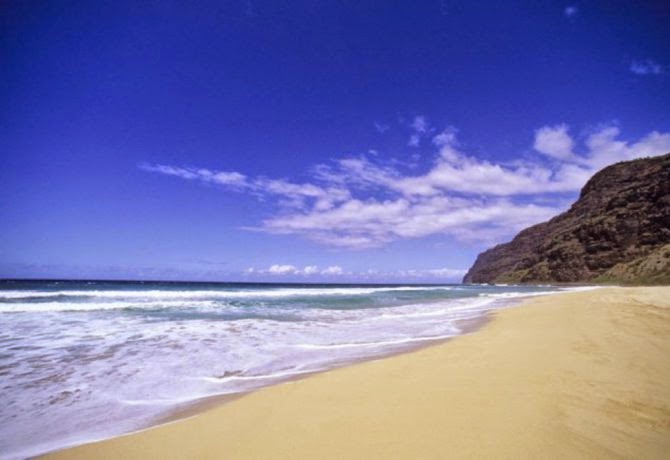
(414,140)
(420,129)
(228,178)
(648,67)
(381,127)
(420,124)
(359,202)
(291,194)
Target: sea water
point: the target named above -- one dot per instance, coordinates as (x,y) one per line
(81,361)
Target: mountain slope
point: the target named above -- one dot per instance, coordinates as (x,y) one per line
(621,219)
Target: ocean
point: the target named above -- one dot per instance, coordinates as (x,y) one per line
(86,360)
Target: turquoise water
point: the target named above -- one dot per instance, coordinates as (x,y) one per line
(87,360)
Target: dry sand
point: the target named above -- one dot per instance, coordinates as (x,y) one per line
(580,375)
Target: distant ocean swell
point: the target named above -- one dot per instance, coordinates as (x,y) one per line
(87,360)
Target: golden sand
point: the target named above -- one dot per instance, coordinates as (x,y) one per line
(580,375)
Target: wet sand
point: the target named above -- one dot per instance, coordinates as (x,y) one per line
(580,375)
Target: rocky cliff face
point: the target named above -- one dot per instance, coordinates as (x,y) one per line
(617,231)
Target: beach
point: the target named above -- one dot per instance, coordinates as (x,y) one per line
(576,375)
(97,368)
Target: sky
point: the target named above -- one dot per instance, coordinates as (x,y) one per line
(310,141)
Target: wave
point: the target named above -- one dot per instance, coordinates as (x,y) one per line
(188,294)
(472,304)
(383,343)
(215,301)
(271,376)
(45,307)
(516,294)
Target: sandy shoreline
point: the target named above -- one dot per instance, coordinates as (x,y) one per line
(581,375)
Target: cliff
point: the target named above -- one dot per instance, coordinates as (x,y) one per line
(617,231)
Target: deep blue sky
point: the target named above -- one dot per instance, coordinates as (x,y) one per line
(100,98)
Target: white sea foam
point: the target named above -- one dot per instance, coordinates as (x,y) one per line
(223,294)
(262,377)
(384,343)
(515,295)
(44,307)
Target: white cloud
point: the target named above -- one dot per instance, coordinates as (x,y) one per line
(310,270)
(605,148)
(554,141)
(333,270)
(414,140)
(570,11)
(359,224)
(282,269)
(647,67)
(484,207)
(288,269)
(358,203)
